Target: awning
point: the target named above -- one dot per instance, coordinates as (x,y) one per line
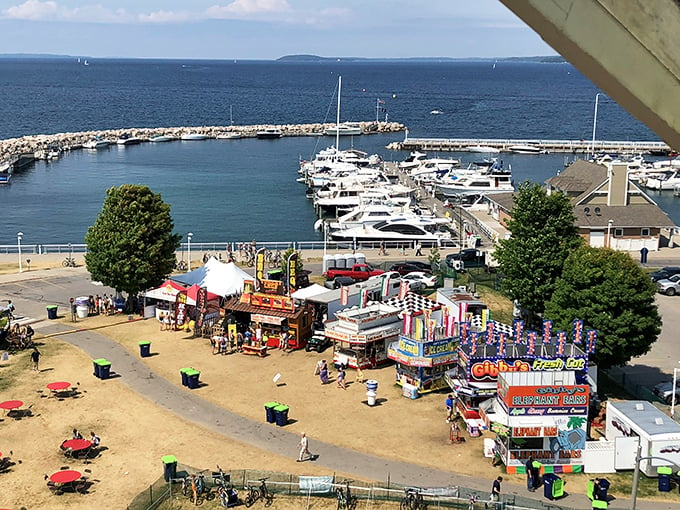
(234,304)
(313,290)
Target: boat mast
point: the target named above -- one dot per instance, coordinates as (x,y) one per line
(337,118)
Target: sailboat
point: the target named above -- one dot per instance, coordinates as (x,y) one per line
(346,128)
(230,135)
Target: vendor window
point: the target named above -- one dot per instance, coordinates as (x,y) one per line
(526,443)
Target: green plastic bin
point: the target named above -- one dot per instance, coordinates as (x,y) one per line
(281,414)
(269,410)
(51,311)
(169,467)
(97,367)
(145,348)
(183,373)
(192,378)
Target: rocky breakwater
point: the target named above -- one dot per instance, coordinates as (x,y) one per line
(12,147)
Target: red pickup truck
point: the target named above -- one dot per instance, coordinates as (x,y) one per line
(358,272)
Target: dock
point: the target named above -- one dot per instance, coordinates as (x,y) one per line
(545,146)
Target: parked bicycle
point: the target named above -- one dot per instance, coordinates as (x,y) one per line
(181,266)
(273,258)
(261,492)
(69,262)
(346,501)
(412,500)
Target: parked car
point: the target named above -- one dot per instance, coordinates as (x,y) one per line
(664,273)
(424,266)
(319,342)
(669,286)
(339,281)
(469,257)
(409,267)
(664,391)
(418,276)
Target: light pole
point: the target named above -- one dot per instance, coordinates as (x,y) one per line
(19,236)
(189,236)
(675,386)
(597,97)
(609,233)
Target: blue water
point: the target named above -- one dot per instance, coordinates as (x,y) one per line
(233,190)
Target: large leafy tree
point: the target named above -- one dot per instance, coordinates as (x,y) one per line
(131,246)
(612,294)
(543,234)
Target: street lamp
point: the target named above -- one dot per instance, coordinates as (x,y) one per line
(597,97)
(675,386)
(189,236)
(609,233)
(19,236)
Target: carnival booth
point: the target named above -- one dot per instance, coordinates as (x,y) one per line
(540,415)
(361,335)
(193,301)
(483,355)
(223,279)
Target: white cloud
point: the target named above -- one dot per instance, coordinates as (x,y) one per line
(32,10)
(247,8)
(36,10)
(165,17)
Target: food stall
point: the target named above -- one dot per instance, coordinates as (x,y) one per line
(361,335)
(540,415)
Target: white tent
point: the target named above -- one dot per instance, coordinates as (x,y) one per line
(313,290)
(220,278)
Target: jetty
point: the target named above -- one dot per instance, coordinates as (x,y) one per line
(545,146)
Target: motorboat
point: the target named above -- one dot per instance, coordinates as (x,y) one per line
(483,149)
(126,139)
(664,181)
(413,161)
(348,197)
(396,230)
(162,138)
(375,213)
(346,129)
(5,178)
(269,134)
(96,143)
(525,149)
(436,112)
(231,135)
(492,180)
(193,137)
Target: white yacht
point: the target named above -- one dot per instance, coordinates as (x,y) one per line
(397,230)
(345,129)
(96,143)
(664,181)
(269,134)
(193,136)
(162,138)
(370,215)
(483,149)
(348,197)
(128,140)
(492,180)
(413,161)
(525,149)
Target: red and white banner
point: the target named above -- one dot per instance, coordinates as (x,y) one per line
(344,295)
(403,289)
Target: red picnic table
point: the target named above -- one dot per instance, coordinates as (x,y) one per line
(76,444)
(11,405)
(65,476)
(60,387)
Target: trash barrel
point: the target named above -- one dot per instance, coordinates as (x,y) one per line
(599,504)
(82,307)
(602,488)
(664,473)
(104,369)
(51,311)
(370,397)
(281,413)
(145,348)
(270,413)
(169,467)
(97,367)
(372,385)
(553,487)
(183,372)
(192,378)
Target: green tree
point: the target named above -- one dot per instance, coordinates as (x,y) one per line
(611,294)
(299,265)
(434,258)
(543,234)
(131,246)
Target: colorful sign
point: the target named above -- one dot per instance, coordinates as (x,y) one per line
(266,319)
(201,306)
(259,268)
(292,272)
(180,308)
(344,295)
(545,396)
(487,370)
(271,286)
(272,301)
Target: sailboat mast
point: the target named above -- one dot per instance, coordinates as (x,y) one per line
(337,119)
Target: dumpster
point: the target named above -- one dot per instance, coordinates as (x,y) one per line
(281,413)
(169,467)
(192,378)
(145,348)
(51,311)
(183,372)
(104,369)
(97,367)
(553,486)
(665,473)
(269,410)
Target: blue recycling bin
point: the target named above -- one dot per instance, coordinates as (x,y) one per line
(664,473)
(553,486)
(104,369)
(169,467)
(98,367)
(51,312)
(270,413)
(183,373)
(281,414)
(145,349)
(192,379)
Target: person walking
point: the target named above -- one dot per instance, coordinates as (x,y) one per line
(449,408)
(35,357)
(530,474)
(419,249)
(304,447)
(323,372)
(341,378)
(495,496)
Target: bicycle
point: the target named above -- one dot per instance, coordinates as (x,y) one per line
(412,500)
(181,266)
(346,501)
(473,500)
(255,493)
(273,258)
(69,262)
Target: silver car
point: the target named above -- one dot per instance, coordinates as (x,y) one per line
(669,286)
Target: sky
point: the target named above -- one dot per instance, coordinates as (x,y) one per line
(266,29)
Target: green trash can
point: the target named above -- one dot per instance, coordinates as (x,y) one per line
(145,348)
(105,369)
(183,373)
(97,367)
(169,467)
(270,413)
(192,378)
(51,311)
(281,413)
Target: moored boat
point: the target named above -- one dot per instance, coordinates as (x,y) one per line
(193,137)
(126,139)
(96,143)
(162,138)
(525,149)
(484,149)
(346,129)
(269,134)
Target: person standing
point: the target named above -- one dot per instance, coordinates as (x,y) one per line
(323,372)
(341,378)
(35,357)
(496,490)
(304,447)
(449,408)
(10,310)
(530,474)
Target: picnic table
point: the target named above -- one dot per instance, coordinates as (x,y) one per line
(60,388)
(77,444)
(254,350)
(66,479)
(11,405)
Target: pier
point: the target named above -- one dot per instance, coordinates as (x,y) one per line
(504,145)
